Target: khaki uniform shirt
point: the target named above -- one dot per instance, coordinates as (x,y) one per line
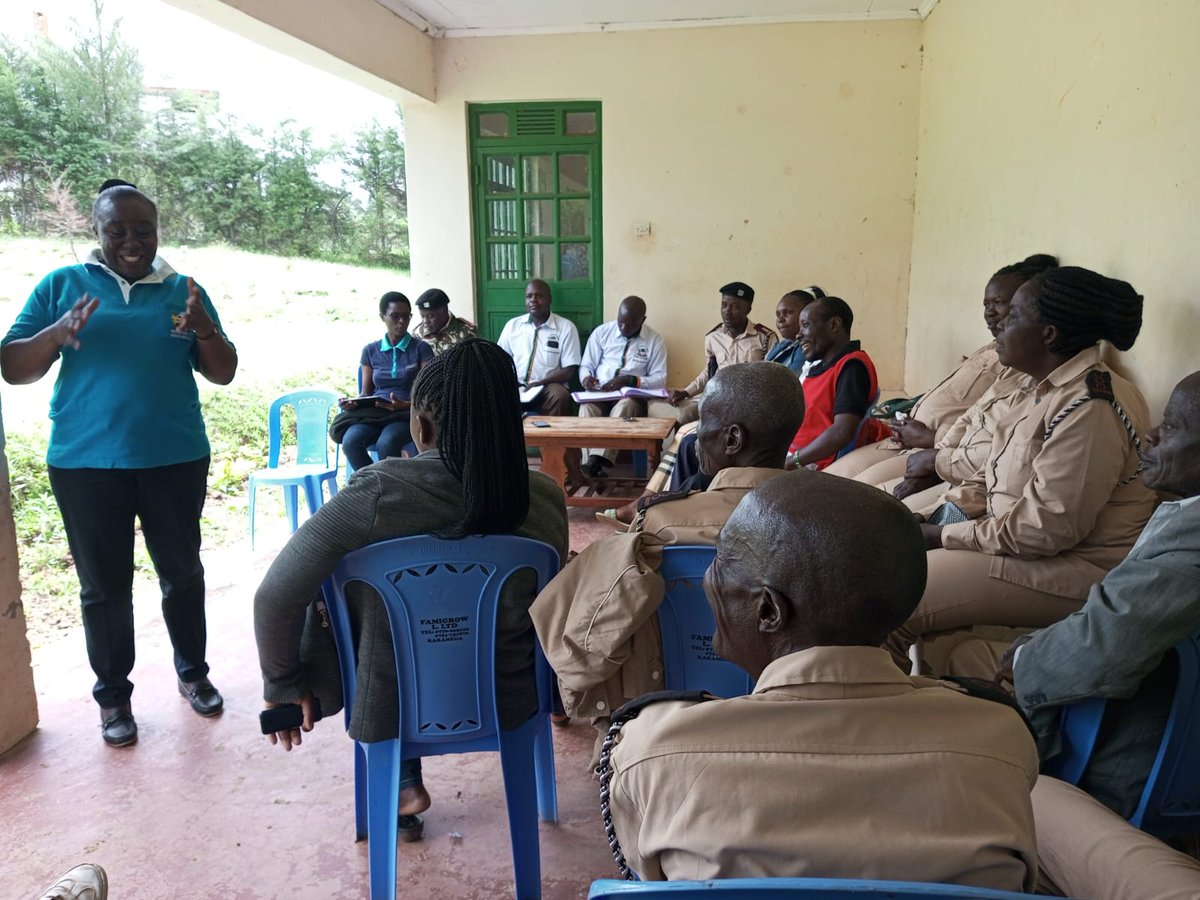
(1058,512)
(749,346)
(456,331)
(964,447)
(597,620)
(838,765)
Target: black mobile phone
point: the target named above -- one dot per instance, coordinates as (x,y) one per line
(541,424)
(289,715)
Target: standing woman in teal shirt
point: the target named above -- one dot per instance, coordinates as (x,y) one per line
(127,439)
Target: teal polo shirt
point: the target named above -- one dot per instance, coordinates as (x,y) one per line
(127,398)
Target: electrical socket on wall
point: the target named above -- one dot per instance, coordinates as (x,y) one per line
(641,229)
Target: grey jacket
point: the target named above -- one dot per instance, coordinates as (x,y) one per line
(393,498)
(1114,647)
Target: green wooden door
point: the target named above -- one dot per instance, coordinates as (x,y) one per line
(536,207)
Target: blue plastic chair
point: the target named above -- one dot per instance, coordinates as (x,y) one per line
(687,626)
(311,469)
(807,888)
(1170,802)
(441,599)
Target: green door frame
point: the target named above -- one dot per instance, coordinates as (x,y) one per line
(536,209)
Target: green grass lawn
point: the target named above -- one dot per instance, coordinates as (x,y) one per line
(295,322)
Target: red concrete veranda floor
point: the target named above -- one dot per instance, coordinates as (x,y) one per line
(205,808)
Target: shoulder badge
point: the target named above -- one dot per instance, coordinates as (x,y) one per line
(716,327)
(1099,385)
(985,690)
(764,336)
(644,503)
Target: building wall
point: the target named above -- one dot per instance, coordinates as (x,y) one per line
(779,155)
(1070,127)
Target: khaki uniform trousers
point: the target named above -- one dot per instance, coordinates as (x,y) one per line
(921,499)
(626,406)
(1087,850)
(960,593)
(857,462)
(687,411)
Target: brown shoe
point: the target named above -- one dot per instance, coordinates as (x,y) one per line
(204,698)
(117,727)
(85,882)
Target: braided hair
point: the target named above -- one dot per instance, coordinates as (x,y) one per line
(1087,307)
(1029,266)
(470,391)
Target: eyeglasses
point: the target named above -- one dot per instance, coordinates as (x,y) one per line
(397,316)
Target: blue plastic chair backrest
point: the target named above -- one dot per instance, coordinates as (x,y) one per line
(807,888)
(441,598)
(687,626)
(862,423)
(1170,803)
(1078,729)
(312,426)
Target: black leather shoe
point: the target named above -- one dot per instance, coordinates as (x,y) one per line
(205,699)
(117,726)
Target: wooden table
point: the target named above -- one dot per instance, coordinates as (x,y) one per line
(570,432)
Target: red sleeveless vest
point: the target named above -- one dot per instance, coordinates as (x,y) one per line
(819,394)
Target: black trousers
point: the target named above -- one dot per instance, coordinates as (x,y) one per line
(98,508)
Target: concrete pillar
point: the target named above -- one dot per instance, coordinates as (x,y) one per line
(18,700)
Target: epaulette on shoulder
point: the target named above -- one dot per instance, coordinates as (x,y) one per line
(762,329)
(1099,385)
(716,327)
(986,690)
(644,503)
(635,706)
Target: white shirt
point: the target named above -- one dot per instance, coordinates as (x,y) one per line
(609,353)
(539,349)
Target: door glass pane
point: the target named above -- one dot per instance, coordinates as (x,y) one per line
(574,218)
(581,123)
(539,218)
(496,125)
(503,262)
(501,174)
(573,173)
(539,261)
(574,262)
(502,218)
(539,174)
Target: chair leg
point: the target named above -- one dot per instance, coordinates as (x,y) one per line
(332,480)
(543,770)
(520,791)
(289,501)
(253,491)
(313,493)
(383,806)
(360,792)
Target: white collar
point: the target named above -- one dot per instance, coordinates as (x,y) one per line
(160,271)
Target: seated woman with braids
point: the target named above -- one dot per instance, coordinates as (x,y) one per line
(470,477)
(1057,503)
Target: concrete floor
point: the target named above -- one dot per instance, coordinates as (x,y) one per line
(205,808)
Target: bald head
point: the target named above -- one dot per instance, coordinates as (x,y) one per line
(748,417)
(809,559)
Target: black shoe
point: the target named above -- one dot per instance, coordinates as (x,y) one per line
(117,726)
(205,699)
(596,465)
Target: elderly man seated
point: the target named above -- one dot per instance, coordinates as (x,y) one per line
(1117,645)
(597,620)
(838,764)
(624,353)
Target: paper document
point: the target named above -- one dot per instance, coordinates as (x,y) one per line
(528,395)
(604,396)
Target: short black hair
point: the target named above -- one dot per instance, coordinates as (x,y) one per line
(392,297)
(836,306)
(114,188)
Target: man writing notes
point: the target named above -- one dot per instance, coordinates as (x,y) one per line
(545,350)
(624,353)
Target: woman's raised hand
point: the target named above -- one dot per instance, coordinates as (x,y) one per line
(195,317)
(68,327)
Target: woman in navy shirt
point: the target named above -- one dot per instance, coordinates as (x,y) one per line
(389,368)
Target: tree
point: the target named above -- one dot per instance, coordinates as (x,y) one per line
(375,163)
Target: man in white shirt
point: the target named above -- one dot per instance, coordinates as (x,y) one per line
(624,353)
(545,350)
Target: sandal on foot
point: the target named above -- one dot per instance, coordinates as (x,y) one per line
(410,829)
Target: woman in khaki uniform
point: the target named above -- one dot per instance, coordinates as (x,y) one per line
(940,406)
(1057,502)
